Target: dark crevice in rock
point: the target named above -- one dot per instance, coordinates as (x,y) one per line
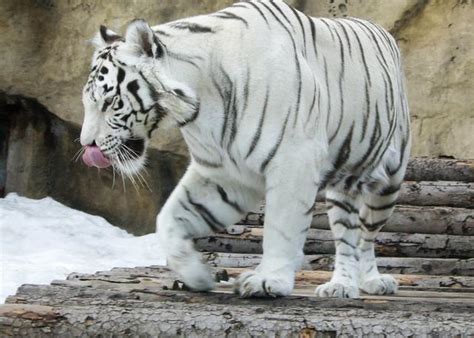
(408,16)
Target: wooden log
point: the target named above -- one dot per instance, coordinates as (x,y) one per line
(128,279)
(448,194)
(416,219)
(107,306)
(435,169)
(162,314)
(409,219)
(398,265)
(439,193)
(321,242)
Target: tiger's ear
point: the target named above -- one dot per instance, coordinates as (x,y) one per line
(105,37)
(142,40)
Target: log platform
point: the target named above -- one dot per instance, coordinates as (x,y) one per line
(428,245)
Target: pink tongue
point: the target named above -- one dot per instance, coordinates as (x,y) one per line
(93,157)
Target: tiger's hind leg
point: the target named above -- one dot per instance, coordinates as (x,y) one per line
(344,221)
(376,208)
(197,207)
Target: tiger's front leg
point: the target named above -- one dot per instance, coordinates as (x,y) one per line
(290,195)
(198,206)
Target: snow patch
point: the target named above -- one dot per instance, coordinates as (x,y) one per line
(43,240)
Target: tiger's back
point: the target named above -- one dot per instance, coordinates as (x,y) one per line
(338,82)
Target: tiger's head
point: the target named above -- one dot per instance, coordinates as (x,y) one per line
(127,96)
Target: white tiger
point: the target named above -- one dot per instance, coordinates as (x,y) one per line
(272,104)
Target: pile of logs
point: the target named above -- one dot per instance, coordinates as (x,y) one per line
(431,230)
(427,245)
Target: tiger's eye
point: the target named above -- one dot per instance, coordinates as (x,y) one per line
(109,100)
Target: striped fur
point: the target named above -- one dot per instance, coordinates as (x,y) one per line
(272,104)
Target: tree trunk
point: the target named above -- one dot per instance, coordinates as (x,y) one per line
(321,242)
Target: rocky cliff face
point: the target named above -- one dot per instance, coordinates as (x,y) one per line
(45,55)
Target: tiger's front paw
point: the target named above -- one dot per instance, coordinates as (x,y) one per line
(259,284)
(337,290)
(380,285)
(193,273)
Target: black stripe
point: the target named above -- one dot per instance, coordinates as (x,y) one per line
(185,58)
(205,214)
(298,66)
(381,207)
(232,16)
(392,172)
(346,206)
(362,54)
(373,226)
(344,30)
(228,97)
(389,190)
(190,119)
(192,27)
(258,133)
(346,224)
(133,88)
(312,106)
(276,146)
(341,95)
(160,32)
(300,87)
(239,6)
(283,14)
(313,34)
(226,200)
(259,10)
(301,25)
(206,163)
(344,151)
(374,139)
(342,240)
(246,91)
(367,111)
(326,77)
(329,28)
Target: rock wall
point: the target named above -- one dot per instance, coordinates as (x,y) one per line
(45,55)
(437,42)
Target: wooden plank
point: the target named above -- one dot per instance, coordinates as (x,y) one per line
(409,219)
(321,242)
(399,265)
(435,169)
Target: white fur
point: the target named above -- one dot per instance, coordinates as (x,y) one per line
(241,69)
